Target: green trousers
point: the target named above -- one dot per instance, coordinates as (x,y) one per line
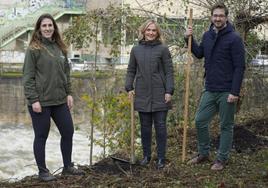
(210,104)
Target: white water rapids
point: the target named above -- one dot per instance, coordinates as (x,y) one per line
(16,151)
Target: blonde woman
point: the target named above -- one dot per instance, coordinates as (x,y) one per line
(150,65)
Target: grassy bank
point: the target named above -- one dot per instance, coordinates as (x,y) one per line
(76,74)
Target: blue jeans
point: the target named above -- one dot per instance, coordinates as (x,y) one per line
(41,125)
(147,119)
(210,104)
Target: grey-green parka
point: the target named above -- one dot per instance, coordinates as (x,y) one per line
(46,75)
(150,66)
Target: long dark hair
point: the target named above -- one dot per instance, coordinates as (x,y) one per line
(36,39)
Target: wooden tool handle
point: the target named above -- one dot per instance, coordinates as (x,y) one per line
(132,160)
(186,96)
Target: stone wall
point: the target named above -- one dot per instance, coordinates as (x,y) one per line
(13,106)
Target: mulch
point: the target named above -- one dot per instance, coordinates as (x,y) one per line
(248,137)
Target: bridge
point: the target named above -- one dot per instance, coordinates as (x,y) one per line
(21,25)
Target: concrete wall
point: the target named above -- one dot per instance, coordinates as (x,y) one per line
(13,108)
(94,4)
(7,4)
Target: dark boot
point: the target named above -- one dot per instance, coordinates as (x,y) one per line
(145,161)
(71,170)
(46,176)
(160,163)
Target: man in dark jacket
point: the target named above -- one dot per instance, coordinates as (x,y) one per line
(224,55)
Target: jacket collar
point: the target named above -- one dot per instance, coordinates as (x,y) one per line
(216,30)
(47,41)
(228,28)
(149,43)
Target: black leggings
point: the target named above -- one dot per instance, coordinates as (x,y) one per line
(41,125)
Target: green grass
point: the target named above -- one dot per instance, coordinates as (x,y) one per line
(99,73)
(86,74)
(11,75)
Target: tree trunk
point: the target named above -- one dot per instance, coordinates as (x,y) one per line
(94,93)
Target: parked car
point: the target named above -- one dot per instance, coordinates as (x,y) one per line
(76,64)
(260,60)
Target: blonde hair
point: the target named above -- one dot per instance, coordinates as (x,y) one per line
(145,25)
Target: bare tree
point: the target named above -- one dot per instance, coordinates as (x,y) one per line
(245,14)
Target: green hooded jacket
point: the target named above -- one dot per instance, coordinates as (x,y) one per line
(46,75)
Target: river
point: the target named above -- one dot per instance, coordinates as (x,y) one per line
(17,159)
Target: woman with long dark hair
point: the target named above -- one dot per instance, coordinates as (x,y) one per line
(47,86)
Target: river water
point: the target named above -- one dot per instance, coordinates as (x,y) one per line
(16,150)
(16,134)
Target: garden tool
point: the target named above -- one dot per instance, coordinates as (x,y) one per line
(132,151)
(186,96)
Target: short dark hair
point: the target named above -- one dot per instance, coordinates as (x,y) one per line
(220,5)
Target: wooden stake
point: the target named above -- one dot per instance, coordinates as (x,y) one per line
(187,84)
(132,158)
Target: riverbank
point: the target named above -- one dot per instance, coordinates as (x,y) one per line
(246,164)
(247,167)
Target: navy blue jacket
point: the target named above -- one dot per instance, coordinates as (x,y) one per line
(224,59)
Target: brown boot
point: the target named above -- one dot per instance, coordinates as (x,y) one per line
(198,159)
(218,165)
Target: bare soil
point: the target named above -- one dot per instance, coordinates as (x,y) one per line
(247,167)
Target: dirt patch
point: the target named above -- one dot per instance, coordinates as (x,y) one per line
(259,127)
(110,166)
(248,137)
(246,140)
